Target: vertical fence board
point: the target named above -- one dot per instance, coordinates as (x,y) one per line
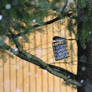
(13,69)
(38,52)
(44,57)
(20,82)
(26,76)
(6,71)
(26,68)
(32,67)
(1,75)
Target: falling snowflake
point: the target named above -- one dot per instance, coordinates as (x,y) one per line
(15,51)
(27,85)
(34,20)
(90,32)
(29,73)
(62,20)
(8,6)
(16,66)
(38,52)
(18,90)
(68,76)
(50,89)
(36,75)
(45,71)
(1,16)
(52,60)
(70,1)
(23,63)
(83,68)
(82,81)
(6,83)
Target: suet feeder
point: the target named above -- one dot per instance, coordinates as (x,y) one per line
(60,48)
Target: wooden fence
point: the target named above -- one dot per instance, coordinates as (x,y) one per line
(17,75)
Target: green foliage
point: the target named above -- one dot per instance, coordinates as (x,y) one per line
(82,3)
(4,55)
(71,26)
(84,15)
(2,39)
(21,14)
(22,11)
(25,11)
(43,4)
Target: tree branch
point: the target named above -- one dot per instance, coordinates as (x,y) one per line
(37,25)
(51,21)
(57,71)
(44,24)
(64,6)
